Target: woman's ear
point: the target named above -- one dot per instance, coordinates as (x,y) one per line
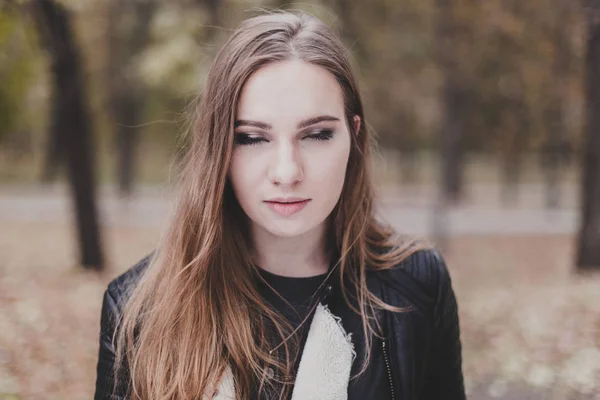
(356,122)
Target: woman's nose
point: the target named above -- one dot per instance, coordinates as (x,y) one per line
(286,168)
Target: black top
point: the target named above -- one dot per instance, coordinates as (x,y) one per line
(293,298)
(300,293)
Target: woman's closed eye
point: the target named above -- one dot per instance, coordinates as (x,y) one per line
(247,139)
(321,134)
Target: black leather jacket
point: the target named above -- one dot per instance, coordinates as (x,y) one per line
(420,353)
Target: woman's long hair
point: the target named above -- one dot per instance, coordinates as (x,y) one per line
(196,310)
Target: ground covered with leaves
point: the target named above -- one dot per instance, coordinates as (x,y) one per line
(530,326)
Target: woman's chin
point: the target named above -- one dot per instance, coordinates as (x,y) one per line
(288,229)
(287,232)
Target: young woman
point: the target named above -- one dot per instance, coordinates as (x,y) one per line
(275,280)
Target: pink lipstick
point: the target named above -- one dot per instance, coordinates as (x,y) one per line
(287,206)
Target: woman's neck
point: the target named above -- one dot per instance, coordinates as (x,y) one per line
(299,256)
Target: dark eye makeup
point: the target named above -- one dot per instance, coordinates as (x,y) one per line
(246,139)
(321,134)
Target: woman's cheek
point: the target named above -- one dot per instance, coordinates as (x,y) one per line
(332,168)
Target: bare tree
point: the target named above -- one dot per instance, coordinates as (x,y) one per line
(215,18)
(555,150)
(407,144)
(53,148)
(588,255)
(71,121)
(453,101)
(214,9)
(516,127)
(349,29)
(512,157)
(126,92)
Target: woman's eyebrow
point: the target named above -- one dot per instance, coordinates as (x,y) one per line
(302,124)
(315,120)
(256,124)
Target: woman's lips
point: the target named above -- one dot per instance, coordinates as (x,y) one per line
(287,208)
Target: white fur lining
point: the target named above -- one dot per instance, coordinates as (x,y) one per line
(226,390)
(324,369)
(325,365)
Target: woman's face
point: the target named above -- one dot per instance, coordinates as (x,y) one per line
(291,149)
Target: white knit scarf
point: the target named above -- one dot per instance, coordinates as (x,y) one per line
(325,365)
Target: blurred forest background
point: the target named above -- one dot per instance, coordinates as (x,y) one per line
(487,114)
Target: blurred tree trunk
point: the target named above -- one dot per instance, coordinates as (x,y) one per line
(53,148)
(554,152)
(512,157)
(213,8)
(409,165)
(453,100)
(71,121)
(349,30)
(126,92)
(511,172)
(407,143)
(519,116)
(588,256)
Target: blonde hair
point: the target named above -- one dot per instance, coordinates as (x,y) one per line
(196,310)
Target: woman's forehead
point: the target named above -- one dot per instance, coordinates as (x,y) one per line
(287,92)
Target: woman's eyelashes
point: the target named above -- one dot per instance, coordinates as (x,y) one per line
(321,134)
(246,139)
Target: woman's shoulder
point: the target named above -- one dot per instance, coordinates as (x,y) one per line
(115,296)
(119,288)
(422,273)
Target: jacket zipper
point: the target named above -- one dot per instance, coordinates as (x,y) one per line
(387,366)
